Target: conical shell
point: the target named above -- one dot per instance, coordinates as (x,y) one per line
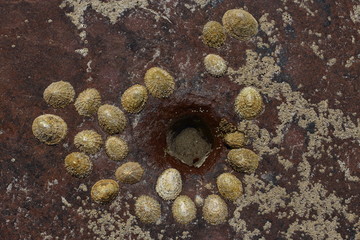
(235,139)
(183,209)
(130,172)
(88,141)
(78,164)
(116,148)
(104,191)
(159,82)
(249,103)
(134,98)
(240,24)
(215,210)
(111,119)
(49,129)
(229,186)
(243,160)
(59,94)
(88,102)
(147,209)
(169,184)
(215,65)
(213,34)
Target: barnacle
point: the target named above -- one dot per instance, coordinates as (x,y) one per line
(49,129)
(59,94)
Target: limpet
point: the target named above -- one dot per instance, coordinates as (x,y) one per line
(78,164)
(134,98)
(130,172)
(240,24)
(213,34)
(169,184)
(116,148)
(235,139)
(147,209)
(215,65)
(88,102)
(249,103)
(183,209)
(49,129)
(159,82)
(243,160)
(215,210)
(229,186)
(104,190)
(59,94)
(88,141)
(111,119)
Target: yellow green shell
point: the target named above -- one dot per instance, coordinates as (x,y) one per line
(116,148)
(243,160)
(134,98)
(249,103)
(49,129)
(104,191)
(88,102)
(78,164)
(215,210)
(88,141)
(169,184)
(240,24)
(159,82)
(183,209)
(59,94)
(235,139)
(111,119)
(130,173)
(215,65)
(213,34)
(229,186)
(147,209)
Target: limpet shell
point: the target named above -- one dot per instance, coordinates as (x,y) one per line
(213,34)
(229,186)
(249,103)
(78,164)
(88,102)
(243,160)
(111,119)
(59,94)
(169,184)
(159,82)
(183,209)
(116,148)
(104,190)
(215,65)
(240,24)
(147,209)
(215,210)
(134,98)
(130,172)
(49,129)
(88,141)
(235,139)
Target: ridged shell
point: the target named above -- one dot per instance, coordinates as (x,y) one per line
(235,139)
(183,209)
(169,184)
(130,173)
(159,82)
(111,119)
(240,24)
(88,102)
(147,209)
(116,148)
(78,164)
(49,129)
(134,98)
(59,94)
(215,65)
(243,160)
(215,210)
(104,191)
(213,34)
(88,141)
(229,186)
(249,103)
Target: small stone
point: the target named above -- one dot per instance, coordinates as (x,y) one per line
(147,209)
(49,129)
(78,164)
(249,103)
(111,119)
(229,186)
(116,148)
(88,102)
(134,98)
(240,24)
(215,210)
(183,209)
(243,160)
(215,65)
(159,82)
(235,139)
(104,191)
(59,94)
(130,173)
(213,34)
(88,141)
(169,184)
